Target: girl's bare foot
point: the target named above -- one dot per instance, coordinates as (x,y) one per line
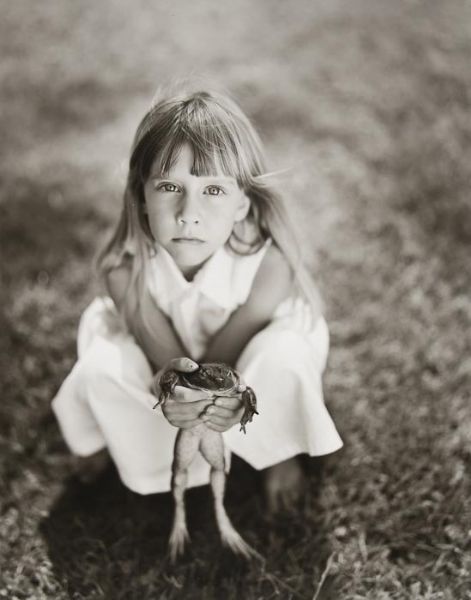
(89,468)
(284,484)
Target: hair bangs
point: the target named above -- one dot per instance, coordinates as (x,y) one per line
(165,155)
(216,156)
(221,140)
(215,159)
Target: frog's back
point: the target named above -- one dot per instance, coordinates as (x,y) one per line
(212,376)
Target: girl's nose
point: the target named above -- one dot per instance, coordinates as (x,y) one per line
(189,213)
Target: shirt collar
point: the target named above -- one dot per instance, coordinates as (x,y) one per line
(213,279)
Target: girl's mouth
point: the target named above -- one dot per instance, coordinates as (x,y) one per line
(187,240)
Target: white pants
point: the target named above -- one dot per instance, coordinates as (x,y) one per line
(105,402)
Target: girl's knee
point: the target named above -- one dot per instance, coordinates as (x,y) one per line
(278,350)
(109,362)
(289,348)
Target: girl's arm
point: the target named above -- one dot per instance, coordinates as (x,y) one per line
(272,284)
(163,350)
(158,339)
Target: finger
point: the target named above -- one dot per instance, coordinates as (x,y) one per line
(177,364)
(183,394)
(221,412)
(220,421)
(188,424)
(230,402)
(242,384)
(182,417)
(215,427)
(185,411)
(183,363)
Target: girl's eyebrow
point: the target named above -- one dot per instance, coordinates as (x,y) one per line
(222,179)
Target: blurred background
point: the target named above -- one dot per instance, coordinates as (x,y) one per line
(367,105)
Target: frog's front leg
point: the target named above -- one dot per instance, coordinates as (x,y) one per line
(249,401)
(167,382)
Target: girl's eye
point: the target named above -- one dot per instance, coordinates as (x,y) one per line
(214,190)
(167,187)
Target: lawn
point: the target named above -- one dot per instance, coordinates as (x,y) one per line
(367,106)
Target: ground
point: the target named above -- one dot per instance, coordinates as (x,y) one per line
(366,105)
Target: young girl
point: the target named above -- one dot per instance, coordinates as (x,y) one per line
(203,266)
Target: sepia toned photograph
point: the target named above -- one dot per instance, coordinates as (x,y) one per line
(235,284)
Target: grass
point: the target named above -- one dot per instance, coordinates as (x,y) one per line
(368,104)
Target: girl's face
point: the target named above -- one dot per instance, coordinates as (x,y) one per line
(192,216)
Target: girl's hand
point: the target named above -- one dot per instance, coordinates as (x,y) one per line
(224,412)
(185,407)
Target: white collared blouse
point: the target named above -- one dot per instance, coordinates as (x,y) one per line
(199,308)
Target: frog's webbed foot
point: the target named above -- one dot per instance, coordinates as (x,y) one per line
(178,538)
(166,383)
(235,542)
(250,407)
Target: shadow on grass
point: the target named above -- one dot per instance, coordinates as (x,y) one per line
(105,541)
(103,538)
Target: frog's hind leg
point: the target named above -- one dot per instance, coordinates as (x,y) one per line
(212,448)
(186,447)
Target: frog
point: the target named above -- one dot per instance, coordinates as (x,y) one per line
(217,379)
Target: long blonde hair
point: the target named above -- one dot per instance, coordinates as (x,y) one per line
(221,137)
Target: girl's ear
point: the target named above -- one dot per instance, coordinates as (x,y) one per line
(243,209)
